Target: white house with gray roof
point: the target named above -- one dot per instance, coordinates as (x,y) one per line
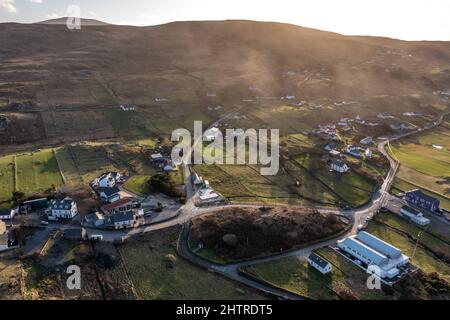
(319,263)
(121,220)
(64,209)
(339,166)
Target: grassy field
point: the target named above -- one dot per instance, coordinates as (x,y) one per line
(419,256)
(130,157)
(138,185)
(345,186)
(425,163)
(242,183)
(296,276)
(351,187)
(435,242)
(37,172)
(145,260)
(10,274)
(68,168)
(6,178)
(91,160)
(309,186)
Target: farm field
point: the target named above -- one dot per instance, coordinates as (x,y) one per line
(419,255)
(294,275)
(37,172)
(138,184)
(73,124)
(6,179)
(91,160)
(242,183)
(9,278)
(69,170)
(103,274)
(130,157)
(438,243)
(425,162)
(146,260)
(352,187)
(309,186)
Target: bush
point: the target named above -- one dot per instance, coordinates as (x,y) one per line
(163,183)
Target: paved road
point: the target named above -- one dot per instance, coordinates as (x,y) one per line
(358,216)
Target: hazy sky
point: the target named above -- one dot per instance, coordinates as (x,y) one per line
(404,19)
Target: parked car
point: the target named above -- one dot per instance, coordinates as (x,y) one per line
(96,237)
(44,223)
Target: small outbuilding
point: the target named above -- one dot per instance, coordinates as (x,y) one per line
(319,263)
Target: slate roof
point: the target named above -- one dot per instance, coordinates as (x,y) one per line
(65,204)
(122,216)
(318,260)
(338,163)
(419,194)
(108,191)
(411,210)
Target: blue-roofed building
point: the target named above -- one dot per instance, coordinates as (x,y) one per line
(361,251)
(422,200)
(379,245)
(372,251)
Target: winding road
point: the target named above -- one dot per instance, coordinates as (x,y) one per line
(358,216)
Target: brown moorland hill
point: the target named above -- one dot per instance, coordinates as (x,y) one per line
(183,61)
(228,56)
(240,233)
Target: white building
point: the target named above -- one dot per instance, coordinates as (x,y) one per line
(373,251)
(108,194)
(319,263)
(126,107)
(211,134)
(415,216)
(384,115)
(339,166)
(121,220)
(8,214)
(107,180)
(208,195)
(367,141)
(335,153)
(197,180)
(64,209)
(359,152)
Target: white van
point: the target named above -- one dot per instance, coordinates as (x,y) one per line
(96,237)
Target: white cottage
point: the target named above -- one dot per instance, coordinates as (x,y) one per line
(319,263)
(339,166)
(65,209)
